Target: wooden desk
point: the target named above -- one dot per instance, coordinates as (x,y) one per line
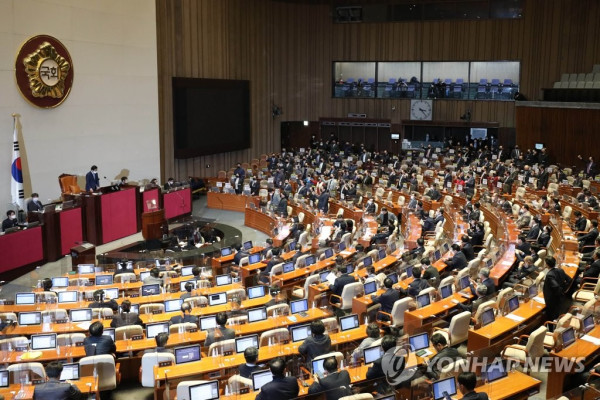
(582,351)
(422,319)
(516,385)
(218,262)
(85,384)
(260,221)
(228,201)
(490,339)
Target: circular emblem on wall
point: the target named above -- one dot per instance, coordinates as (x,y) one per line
(44,71)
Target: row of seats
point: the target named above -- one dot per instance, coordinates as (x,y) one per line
(589,80)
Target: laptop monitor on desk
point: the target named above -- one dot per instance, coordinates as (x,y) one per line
(487,317)
(69,296)
(568,337)
(43,341)
(187,354)
(253,258)
(104,280)
(225,251)
(257,314)
(367,261)
(299,333)
(223,280)
(248,245)
(493,372)
(446,291)
(60,282)
(205,391)
(444,388)
(187,270)
(255,292)
(261,378)
(70,372)
(419,342)
(370,287)
(173,305)
(513,303)
(242,343)
(149,290)
(25,298)
(207,323)
(349,322)
(154,329)
(372,354)
(81,315)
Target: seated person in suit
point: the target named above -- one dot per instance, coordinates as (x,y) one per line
(153,278)
(418,284)
(373,334)
(250,366)
(458,260)
(484,278)
(481,296)
(467,248)
(466,384)
(335,383)
(429,272)
(170,184)
(432,368)
(275,259)
(317,344)
(281,387)
(189,286)
(370,207)
(419,250)
(161,341)
(342,280)
(97,343)
(53,389)
(10,221)
(221,332)
(522,249)
(388,298)
(525,268)
(375,371)
(101,302)
(126,317)
(34,204)
(186,311)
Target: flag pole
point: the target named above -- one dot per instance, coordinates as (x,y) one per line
(16,170)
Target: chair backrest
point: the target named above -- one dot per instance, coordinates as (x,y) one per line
(183,389)
(35,371)
(278,309)
(219,348)
(277,269)
(244,261)
(482,307)
(349,292)
(503,297)
(459,328)
(309,281)
(398,310)
(149,360)
(535,343)
(300,217)
(151,307)
(70,339)
(339,356)
(196,301)
(274,336)
(239,293)
(331,324)
(360,396)
(125,277)
(183,327)
(127,331)
(105,367)
(102,312)
(237,382)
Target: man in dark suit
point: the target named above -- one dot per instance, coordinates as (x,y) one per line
(593,271)
(126,317)
(161,342)
(375,371)
(170,184)
(580,221)
(484,277)
(317,344)
(458,260)
(281,387)
(10,221)
(418,284)
(336,384)
(338,286)
(466,385)
(254,186)
(53,389)
(92,180)
(589,238)
(370,207)
(324,202)
(477,234)
(535,230)
(101,302)
(430,273)
(467,248)
(250,366)
(186,315)
(388,298)
(275,259)
(35,204)
(221,332)
(240,253)
(444,356)
(428,225)
(97,343)
(556,284)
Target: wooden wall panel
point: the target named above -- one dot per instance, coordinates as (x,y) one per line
(286,50)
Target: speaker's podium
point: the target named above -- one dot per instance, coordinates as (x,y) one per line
(153,221)
(85,253)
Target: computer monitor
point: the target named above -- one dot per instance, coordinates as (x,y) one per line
(349,268)
(261,378)
(154,329)
(205,391)
(187,270)
(144,275)
(372,353)
(392,247)
(4,381)
(568,337)
(300,333)
(187,354)
(308,261)
(255,292)
(539,146)
(444,388)
(86,268)
(381,254)
(149,290)
(533,291)
(248,245)
(317,367)
(25,298)
(349,322)
(173,305)
(30,318)
(183,283)
(487,317)
(513,303)
(69,296)
(342,246)
(80,315)
(298,306)
(288,267)
(223,280)
(409,271)
(446,247)
(437,255)
(394,277)
(423,300)
(489,263)
(102,280)
(207,323)
(253,258)
(367,261)
(242,343)
(493,371)
(328,253)
(111,293)
(257,314)
(43,341)
(464,282)
(323,276)
(70,372)
(588,323)
(109,332)
(446,291)
(419,342)
(60,281)
(370,287)
(225,251)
